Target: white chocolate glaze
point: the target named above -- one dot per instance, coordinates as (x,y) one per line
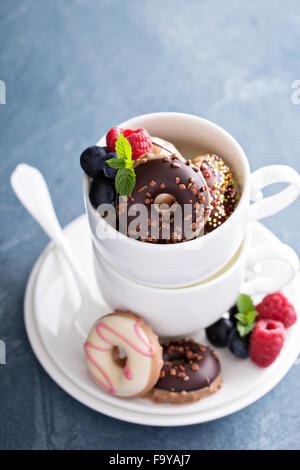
(125,332)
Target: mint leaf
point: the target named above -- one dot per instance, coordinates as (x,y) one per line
(241,317)
(116,162)
(245,329)
(125,178)
(125,181)
(244,303)
(123,148)
(246,316)
(251,316)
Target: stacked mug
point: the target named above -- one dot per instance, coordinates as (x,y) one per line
(181,288)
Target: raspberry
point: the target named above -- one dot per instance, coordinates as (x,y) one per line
(140,142)
(111,138)
(276,307)
(266,342)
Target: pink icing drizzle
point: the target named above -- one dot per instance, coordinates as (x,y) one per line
(147,353)
(127,371)
(138,332)
(110,388)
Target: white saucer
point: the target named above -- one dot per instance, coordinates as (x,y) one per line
(48,315)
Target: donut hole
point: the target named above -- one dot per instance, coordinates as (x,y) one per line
(119,356)
(165,202)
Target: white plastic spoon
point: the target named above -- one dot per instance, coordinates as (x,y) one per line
(30,186)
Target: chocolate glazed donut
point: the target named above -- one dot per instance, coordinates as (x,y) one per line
(177,178)
(190,372)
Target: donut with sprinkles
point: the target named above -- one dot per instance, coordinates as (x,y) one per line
(224,195)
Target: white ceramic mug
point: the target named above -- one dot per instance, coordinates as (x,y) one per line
(178,312)
(178,265)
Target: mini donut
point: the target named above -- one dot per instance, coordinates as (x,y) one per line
(221,186)
(164,148)
(130,376)
(186,185)
(190,372)
(160,148)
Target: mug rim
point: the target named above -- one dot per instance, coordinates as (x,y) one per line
(208,236)
(244,246)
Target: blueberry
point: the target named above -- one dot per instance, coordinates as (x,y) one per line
(102,191)
(92,160)
(239,346)
(232,312)
(218,333)
(108,171)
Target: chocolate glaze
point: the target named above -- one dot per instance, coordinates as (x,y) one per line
(188,366)
(172,176)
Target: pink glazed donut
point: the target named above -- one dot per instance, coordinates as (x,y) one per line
(130,376)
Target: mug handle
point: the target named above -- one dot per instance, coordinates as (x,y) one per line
(264,207)
(273,251)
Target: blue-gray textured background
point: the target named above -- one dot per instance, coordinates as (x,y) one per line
(74,68)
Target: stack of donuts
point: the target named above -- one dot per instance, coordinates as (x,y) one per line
(180,199)
(205,184)
(125,358)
